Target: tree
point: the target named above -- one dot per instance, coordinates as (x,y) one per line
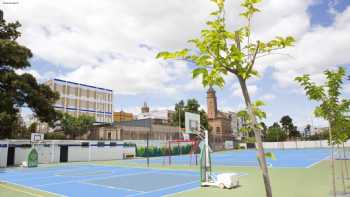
(333,107)
(220,51)
(76,126)
(275,133)
(261,115)
(33,127)
(263,129)
(294,133)
(287,124)
(192,106)
(289,128)
(17,90)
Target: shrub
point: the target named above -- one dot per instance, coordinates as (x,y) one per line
(55,136)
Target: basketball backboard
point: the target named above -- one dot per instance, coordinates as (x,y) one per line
(192,122)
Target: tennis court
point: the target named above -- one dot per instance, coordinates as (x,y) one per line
(97,180)
(286,158)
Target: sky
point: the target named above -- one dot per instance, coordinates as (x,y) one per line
(113,44)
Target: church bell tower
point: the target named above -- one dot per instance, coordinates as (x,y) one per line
(212,103)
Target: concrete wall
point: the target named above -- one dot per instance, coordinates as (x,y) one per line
(21,155)
(299,144)
(106,153)
(50,152)
(78,153)
(3,153)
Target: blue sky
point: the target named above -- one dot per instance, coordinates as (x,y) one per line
(112,44)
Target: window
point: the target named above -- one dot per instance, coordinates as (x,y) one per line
(109,135)
(218,130)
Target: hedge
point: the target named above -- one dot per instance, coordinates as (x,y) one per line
(162,151)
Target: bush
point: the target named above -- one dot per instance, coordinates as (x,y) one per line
(140,152)
(275,134)
(55,136)
(126,144)
(156,151)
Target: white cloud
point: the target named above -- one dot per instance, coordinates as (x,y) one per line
(237,91)
(347,88)
(268,97)
(101,41)
(137,109)
(319,49)
(30,71)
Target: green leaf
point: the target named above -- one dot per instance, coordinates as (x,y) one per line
(270,155)
(199,71)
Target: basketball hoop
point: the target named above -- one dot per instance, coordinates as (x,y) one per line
(36,137)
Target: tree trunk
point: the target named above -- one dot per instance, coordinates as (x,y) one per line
(345,163)
(260,148)
(332,160)
(342,173)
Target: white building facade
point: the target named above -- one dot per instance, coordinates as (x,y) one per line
(80,99)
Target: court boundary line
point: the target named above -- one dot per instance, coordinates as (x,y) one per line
(33,188)
(85,181)
(164,188)
(100,178)
(11,188)
(183,191)
(44,177)
(317,162)
(137,192)
(112,187)
(38,171)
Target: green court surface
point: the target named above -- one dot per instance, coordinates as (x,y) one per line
(286,182)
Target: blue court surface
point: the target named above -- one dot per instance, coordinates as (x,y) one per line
(287,158)
(95,180)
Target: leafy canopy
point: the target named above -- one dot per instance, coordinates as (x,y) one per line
(17,90)
(333,106)
(76,126)
(192,106)
(219,51)
(258,112)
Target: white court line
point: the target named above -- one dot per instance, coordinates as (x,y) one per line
(164,188)
(33,188)
(100,178)
(40,171)
(83,168)
(112,187)
(174,173)
(315,163)
(180,192)
(13,177)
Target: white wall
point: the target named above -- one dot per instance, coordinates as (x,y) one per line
(299,144)
(3,153)
(21,155)
(106,153)
(78,153)
(48,154)
(51,153)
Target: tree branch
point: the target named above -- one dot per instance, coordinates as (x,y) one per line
(238,41)
(253,60)
(266,54)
